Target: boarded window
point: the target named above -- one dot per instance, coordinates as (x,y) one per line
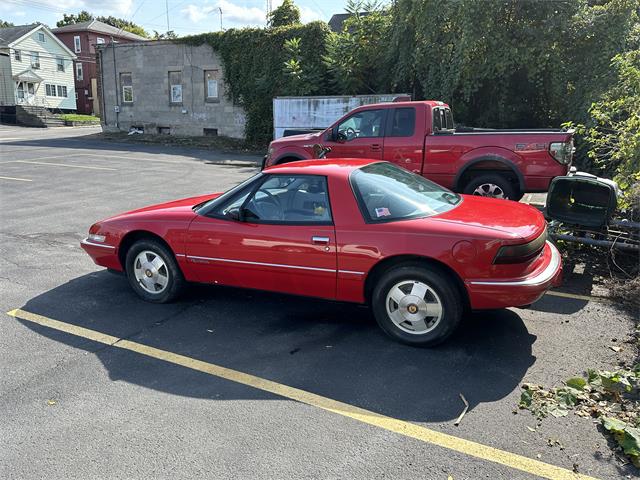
(175,87)
(127,87)
(211,84)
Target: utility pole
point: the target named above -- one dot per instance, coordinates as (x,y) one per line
(220,10)
(166,8)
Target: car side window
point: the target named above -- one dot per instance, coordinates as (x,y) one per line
(365,124)
(403,123)
(300,199)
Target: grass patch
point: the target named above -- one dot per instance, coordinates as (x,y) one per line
(76,117)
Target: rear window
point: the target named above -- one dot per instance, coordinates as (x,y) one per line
(403,123)
(386,193)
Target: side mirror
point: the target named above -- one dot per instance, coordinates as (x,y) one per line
(233,214)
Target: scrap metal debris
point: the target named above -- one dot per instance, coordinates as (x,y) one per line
(464,411)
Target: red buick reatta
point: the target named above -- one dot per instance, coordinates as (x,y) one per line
(343,229)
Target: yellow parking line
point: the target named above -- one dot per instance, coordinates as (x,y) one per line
(575,296)
(17,179)
(433,437)
(64,165)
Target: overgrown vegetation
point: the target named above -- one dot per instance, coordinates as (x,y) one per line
(613,398)
(511,64)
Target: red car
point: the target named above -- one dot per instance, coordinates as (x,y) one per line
(345,229)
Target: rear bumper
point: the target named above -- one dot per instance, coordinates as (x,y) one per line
(518,291)
(102,254)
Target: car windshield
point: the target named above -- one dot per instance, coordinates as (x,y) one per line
(386,193)
(204,207)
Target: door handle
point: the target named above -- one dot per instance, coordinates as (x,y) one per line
(376,147)
(320,240)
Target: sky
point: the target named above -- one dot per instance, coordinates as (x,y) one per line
(185,16)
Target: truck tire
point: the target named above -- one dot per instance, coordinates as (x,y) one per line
(492,185)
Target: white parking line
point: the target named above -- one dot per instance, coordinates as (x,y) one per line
(16,179)
(65,165)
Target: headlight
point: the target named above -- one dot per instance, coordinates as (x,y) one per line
(97,238)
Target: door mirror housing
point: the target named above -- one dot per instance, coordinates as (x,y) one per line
(234,214)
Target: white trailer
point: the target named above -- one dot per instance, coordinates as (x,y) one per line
(317,113)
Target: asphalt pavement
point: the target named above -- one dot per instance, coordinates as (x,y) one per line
(77,405)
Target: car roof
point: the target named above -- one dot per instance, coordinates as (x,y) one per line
(324,166)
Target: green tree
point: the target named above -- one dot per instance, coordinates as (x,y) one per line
(286,14)
(614,137)
(355,56)
(302,78)
(70,19)
(84,16)
(170,35)
(125,25)
(4,24)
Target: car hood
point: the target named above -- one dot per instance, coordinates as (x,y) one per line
(296,139)
(515,219)
(175,206)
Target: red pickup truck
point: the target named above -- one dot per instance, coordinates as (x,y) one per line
(421,137)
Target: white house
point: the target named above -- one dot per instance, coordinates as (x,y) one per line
(36,69)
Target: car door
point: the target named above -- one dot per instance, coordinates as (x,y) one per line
(276,234)
(404,138)
(360,135)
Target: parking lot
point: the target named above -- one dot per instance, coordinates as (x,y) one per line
(230,383)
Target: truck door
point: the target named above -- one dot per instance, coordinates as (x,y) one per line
(360,135)
(403,142)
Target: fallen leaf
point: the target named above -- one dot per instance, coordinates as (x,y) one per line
(531,429)
(51,402)
(614,348)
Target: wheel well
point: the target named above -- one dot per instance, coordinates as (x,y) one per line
(490,167)
(132,237)
(380,268)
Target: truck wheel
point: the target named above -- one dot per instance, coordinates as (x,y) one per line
(492,185)
(416,305)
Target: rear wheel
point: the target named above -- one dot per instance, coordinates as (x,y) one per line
(492,185)
(417,305)
(153,272)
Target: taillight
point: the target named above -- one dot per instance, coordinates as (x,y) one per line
(562,152)
(521,253)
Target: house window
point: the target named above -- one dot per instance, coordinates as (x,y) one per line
(20,91)
(76,44)
(60,63)
(211,84)
(41,37)
(62,91)
(127,87)
(79,73)
(35,60)
(100,40)
(51,90)
(175,87)
(17,55)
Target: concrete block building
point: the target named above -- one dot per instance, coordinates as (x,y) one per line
(165,87)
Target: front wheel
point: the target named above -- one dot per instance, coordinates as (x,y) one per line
(417,305)
(153,272)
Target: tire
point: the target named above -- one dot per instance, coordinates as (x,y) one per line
(440,295)
(492,183)
(155,281)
